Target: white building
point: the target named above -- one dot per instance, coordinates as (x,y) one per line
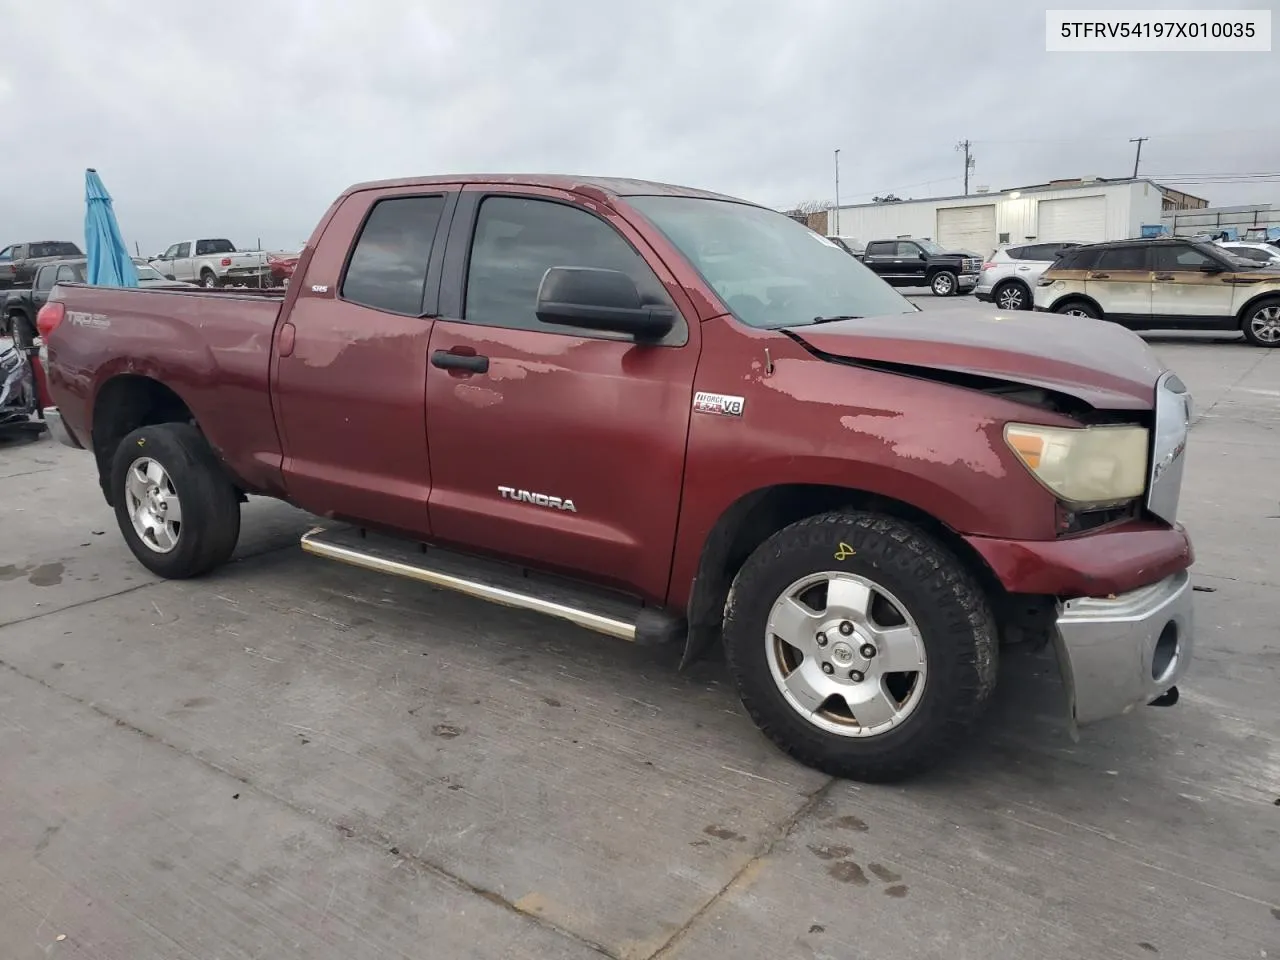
(1085,211)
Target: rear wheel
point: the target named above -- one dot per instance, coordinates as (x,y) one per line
(177,509)
(1078,308)
(1261,324)
(859,645)
(208,279)
(22,331)
(943,283)
(1012,296)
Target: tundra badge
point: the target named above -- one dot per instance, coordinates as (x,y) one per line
(537,499)
(718,403)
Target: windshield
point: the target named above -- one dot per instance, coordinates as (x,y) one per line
(930,247)
(146,271)
(768,269)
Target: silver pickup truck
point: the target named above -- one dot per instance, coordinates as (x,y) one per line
(215,262)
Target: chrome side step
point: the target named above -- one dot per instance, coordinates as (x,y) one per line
(505,584)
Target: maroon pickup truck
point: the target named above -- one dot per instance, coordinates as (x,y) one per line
(666,415)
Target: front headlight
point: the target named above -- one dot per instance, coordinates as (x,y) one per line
(1086,465)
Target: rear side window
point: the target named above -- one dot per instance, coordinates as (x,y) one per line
(1047,252)
(1016,253)
(388,268)
(1123,258)
(1077,260)
(879,248)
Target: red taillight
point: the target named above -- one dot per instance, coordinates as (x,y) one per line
(989,265)
(50,315)
(226,261)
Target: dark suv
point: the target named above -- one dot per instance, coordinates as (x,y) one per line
(922,263)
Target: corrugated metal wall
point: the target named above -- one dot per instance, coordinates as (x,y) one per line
(1129,206)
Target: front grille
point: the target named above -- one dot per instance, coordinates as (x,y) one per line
(970,266)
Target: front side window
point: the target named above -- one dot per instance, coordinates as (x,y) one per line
(6,255)
(184,250)
(1175,257)
(931,248)
(517,239)
(44,278)
(769,270)
(388,269)
(908,251)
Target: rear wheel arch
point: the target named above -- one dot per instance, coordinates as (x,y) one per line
(1028,295)
(1254,302)
(123,404)
(756,516)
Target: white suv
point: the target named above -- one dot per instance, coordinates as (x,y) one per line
(1009,278)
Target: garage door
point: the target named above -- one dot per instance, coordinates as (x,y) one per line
(968,228)
(1078,219)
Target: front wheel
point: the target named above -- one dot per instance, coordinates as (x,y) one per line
(859,645)
(1077,308)
(943,283)
(177,509)
(1262,323)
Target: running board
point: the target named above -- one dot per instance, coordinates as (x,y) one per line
(593,609)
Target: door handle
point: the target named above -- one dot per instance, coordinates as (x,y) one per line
(459,361)
(1099,276)
(1164,276)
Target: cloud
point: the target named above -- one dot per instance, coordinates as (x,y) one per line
(246,120)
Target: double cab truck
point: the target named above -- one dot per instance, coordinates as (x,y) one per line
(907,262)
(215,262)
(665,415)
(19,261)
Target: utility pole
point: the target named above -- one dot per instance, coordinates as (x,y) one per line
(834,230)
(1139,142)
(969,161)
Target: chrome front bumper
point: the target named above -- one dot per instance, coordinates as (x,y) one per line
(58,429)
(1120,652)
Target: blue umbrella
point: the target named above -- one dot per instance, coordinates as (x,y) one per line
(109,263)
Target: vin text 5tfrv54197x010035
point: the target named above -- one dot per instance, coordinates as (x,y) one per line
(667,416)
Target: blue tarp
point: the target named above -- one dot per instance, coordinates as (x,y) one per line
(109,263)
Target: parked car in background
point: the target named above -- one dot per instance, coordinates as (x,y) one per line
(215,262)
(1264,253)
(859,501)
(19,261)
(855,248)
(1009,278)
(922,263)
(1165,285)
(20,307)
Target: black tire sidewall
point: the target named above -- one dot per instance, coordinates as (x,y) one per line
(946,604)
(1012,285)
(210,504)
(1090,310)
(1249,314)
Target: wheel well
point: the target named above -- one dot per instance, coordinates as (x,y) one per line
(1076,298)
(758,515)
(1011,281)
(123,404)
(1244,311)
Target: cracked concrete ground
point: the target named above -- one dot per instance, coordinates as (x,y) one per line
(296,759)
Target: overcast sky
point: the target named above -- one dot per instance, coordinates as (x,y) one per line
(245,120)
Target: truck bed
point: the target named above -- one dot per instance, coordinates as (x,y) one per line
(210,347)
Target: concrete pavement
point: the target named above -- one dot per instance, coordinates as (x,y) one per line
(292,758)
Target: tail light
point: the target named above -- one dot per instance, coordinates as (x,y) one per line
(226,261)
(50,315)
(989,265)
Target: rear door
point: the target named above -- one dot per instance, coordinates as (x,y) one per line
(1183,293)
(555,446)
(882,257)
(1120,282)
(351,360)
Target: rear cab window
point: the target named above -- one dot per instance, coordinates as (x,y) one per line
(205,248)
(54,250)
(388,265)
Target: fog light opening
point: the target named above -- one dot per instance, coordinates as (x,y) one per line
(1165,657)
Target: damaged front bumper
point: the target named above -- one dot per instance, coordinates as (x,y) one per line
(1125,650)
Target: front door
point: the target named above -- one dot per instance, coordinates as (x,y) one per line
(351,364)
(181,265)
(550,445)
(911,263)
(1120,282)
(1183,293)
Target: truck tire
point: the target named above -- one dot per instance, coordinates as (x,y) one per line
(943,283)
(908,640)
(208,279)
(1261,323)
(165,469)
(21,330)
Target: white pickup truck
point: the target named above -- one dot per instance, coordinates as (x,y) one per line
(215,262)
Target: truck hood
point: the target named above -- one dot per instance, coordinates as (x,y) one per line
(1099,363)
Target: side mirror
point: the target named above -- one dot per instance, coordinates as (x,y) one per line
(170,276)
(596,299)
